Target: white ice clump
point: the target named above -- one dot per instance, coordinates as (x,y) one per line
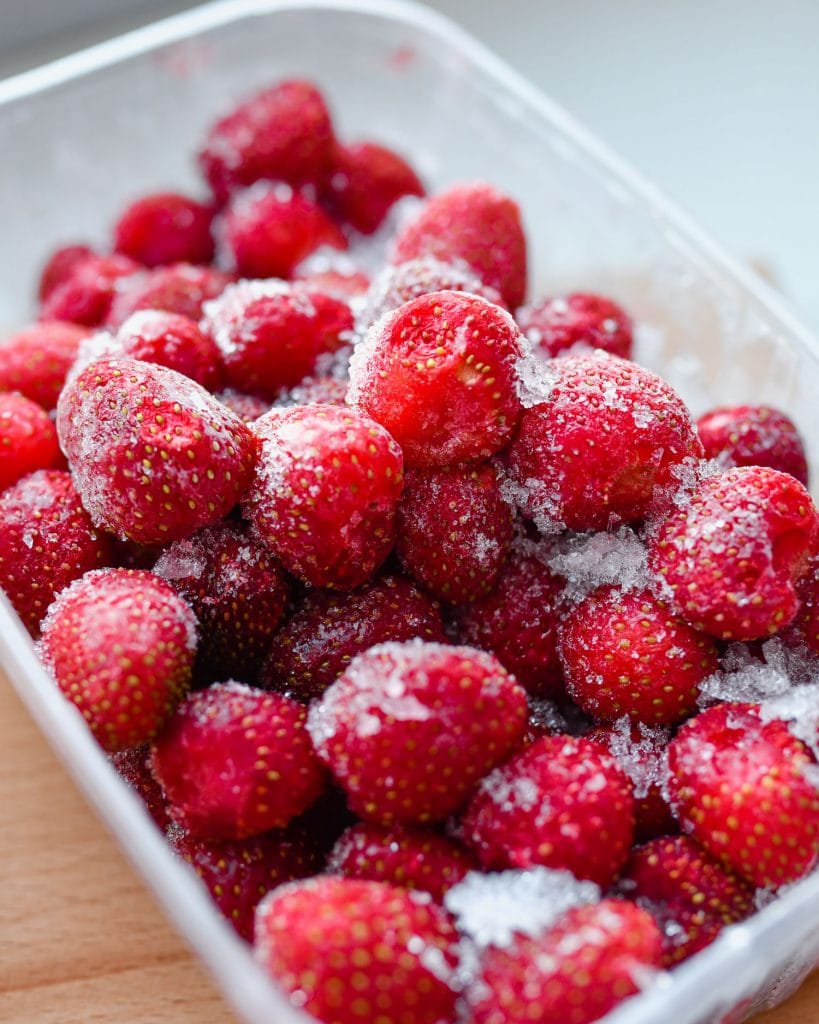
(535,376)
(744,678)
(493,908)
(591,560)
(645,758)
(799,708)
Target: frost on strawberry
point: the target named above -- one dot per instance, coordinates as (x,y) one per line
(573,323)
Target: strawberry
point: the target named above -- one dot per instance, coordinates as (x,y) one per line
(47,540)
(348,950)
(235,762)
(365,181)
(172,340)
(738,786)
(624,653)
(85,294)
(517,622)
(238,593)
(325,492)
(36,360)
(134,766)
(604,437)
(282,133)
(804,629)
(28,440)
(272,334)
(120,645)
(314,391)
(562,802)
(247,407)
(753,435)
(475,224)
(180,288)
(154,456)
(240,872)
(689,894)
(454,530)
(269,229)
(729,557)
(577,322)
(411,858)
(163,228)
(440,374)
(59,266)
(409,729)
(587,963)
(329,629)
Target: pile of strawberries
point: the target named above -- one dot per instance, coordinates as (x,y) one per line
(403,605)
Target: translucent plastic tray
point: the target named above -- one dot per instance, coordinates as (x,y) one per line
(81,136)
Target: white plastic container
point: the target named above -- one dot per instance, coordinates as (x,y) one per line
(81,136)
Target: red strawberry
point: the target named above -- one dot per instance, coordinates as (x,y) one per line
(738,786)
(247,407)
(59,266)
(36,360)
(440,374)
(282,133)
(475,224)
(236,762)
(349,951)
(172,340)
(325,492)
(28,440)
(120,645)
(517,622)
(134,765)
(154,456)
(454,530)
(238,593)
(314,391)
(409,729)
(365,181)
(47,540)
(180,288)
(624,653)
(688,893)
(753,435)
(805,627)
(411,858)
(605,436)
(587,963)
(329,629)
(562,802)
(272,334)
(165,227)
(578,321)
(239,873)
(269,229)
(731,556)
(85,294)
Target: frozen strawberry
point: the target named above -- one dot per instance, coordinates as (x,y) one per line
(518,621)
(730,557)
(409,729)
(753,435)
(454,530)
(236,762)
(349,950)
(28,440)
(576,322)
(343,284)
(606,435)
(47,540)
(687,891)
(272,334)
(805,627)
(314,391)
(36,360)
(247,407)
(563,802)
(269,229)
(240,872)
(282,133)
(85,295)
(440,374)
(120,644)
(59,266)
(163,228)
(475,224)
(134,765)
(325,493)
(412,858)
(624,653)
(587,963)
(172,340)
(365,181)
(154,456)
(738,786)
(180,288)
(329,629)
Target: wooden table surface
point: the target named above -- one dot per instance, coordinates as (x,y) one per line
(81,940)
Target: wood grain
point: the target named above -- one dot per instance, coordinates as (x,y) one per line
(81,940)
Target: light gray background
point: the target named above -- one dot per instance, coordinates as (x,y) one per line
(717,101)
